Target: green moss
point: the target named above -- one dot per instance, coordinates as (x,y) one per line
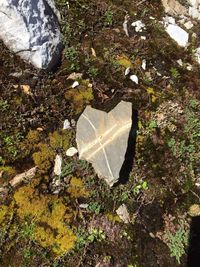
(3,214)
(60,140)
(80,96)
(76,188)
(51,218)
(43,159)
(7,172)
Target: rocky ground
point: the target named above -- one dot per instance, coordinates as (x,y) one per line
(70,219)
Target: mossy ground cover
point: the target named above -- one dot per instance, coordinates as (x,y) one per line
(79,226)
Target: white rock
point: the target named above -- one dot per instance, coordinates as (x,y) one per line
(197,55)
(30,28)
(188,25)
(58,165)
(194,10)
(83,206)
(169,20)
(189,66)
(127,71)
(176,32)
(143,37)
(139,26)
(144,64)
(71,152)
(66,125)
(134,79)
(102,139)
(75,84)
(180,62)
(123,213)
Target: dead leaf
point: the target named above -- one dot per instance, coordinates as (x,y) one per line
(26,89)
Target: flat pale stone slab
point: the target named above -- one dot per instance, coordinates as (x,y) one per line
(102,139)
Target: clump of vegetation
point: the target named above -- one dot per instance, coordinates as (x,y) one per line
(80,96)
(45,152)
(50,216)
(76,188)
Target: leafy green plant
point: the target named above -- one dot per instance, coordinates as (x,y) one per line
(174,72)
(141,186)
(94,207)
(108,18)
(177,243)
(93,71)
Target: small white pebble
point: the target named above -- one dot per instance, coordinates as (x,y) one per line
(66,125)
(75,84)
(83,206)
(143,37)
(134,79)
(180,62)
(144,64)
(71,152)
(127,71)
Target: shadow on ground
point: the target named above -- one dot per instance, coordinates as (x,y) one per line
(194,243)
(130,152)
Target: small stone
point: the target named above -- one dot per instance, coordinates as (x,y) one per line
(143,37)
(139,26)
(180,62)
(188,25)
(134,79)
(83,206)
(66,125)
(175,32)
(71,152)
(123,213)
(58,165)
(189,66)
(75,84)
(197,55)
(127,71)
(144,64)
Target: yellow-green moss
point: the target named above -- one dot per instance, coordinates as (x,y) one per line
(124,61)
(33,137)
(194,210)
(80,96)
(51,218)
(3,214)
(43,159)
(76,188)
(113,217)
(60,139)
(7,172)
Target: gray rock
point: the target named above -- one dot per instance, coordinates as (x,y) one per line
(30,28)
(102,139)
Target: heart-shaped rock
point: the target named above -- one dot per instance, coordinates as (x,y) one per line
(102,139)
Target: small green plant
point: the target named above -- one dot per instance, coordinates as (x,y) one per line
(108,18)
(27,230)
(174,72)
(94,207)
(96,235)
(93,71)
(141,186)
(177,243)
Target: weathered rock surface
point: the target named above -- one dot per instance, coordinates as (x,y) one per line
(102,139)
(30,28)
(173,7)
(175,32)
